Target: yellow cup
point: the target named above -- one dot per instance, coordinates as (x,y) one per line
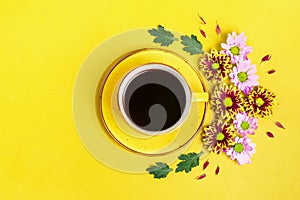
(155,99)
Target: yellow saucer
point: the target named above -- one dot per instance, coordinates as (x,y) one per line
(98,123)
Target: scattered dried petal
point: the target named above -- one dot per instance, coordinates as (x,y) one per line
(218,30)
(269,134)
(217,170)
(279,125)
(201,19)
(271,71)
(203,33)
(205,164)
(266,58)
(201,176)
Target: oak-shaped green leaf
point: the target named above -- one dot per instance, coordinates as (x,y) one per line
(189,161)
(162,36)
(191,44)
(160,170)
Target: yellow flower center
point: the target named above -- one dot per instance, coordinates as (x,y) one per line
(238,147)
(235,50)
(245,125)
(215,66)
(227,102)
(259,101)
(242,76)
(220,136)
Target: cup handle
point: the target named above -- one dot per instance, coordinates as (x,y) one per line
(200,97)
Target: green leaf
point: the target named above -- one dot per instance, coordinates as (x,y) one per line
(160,170)
(191,44)
(189,161)
(162,36)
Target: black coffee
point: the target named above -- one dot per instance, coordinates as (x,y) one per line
(149,95)
(155,100)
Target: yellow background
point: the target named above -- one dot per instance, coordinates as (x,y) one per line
(43,44)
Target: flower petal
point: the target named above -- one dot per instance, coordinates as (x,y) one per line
(205,165)
(271,71)
(269,134)
(252,69)
(242,38)
(243,158)
(279,125)
(266,58)
(217,170)
(201,19)
(201,176)
(225,46)
(218,30)
(203,33)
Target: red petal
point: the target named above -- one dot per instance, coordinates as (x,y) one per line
(217,170)
(203,33)
(218,30)
(279,125)
(201,176)
(266,58)
(201,19)
(270,134)
(271,71)
(205,164)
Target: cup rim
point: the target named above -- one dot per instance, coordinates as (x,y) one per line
(131,75)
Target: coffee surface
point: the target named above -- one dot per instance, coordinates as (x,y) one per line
(154,107)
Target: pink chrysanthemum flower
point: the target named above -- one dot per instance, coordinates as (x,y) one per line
(244,76)
(245,124)
(242,150)
(236,47)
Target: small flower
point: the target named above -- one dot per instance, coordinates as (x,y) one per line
(244,76)
(236,47)
(215,65)
(260,102)
(242,150)
(244,124)
(218,136)
(226,101)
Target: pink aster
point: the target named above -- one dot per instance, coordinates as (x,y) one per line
(236,47)
(245,124)
(244,76)
(242,150)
